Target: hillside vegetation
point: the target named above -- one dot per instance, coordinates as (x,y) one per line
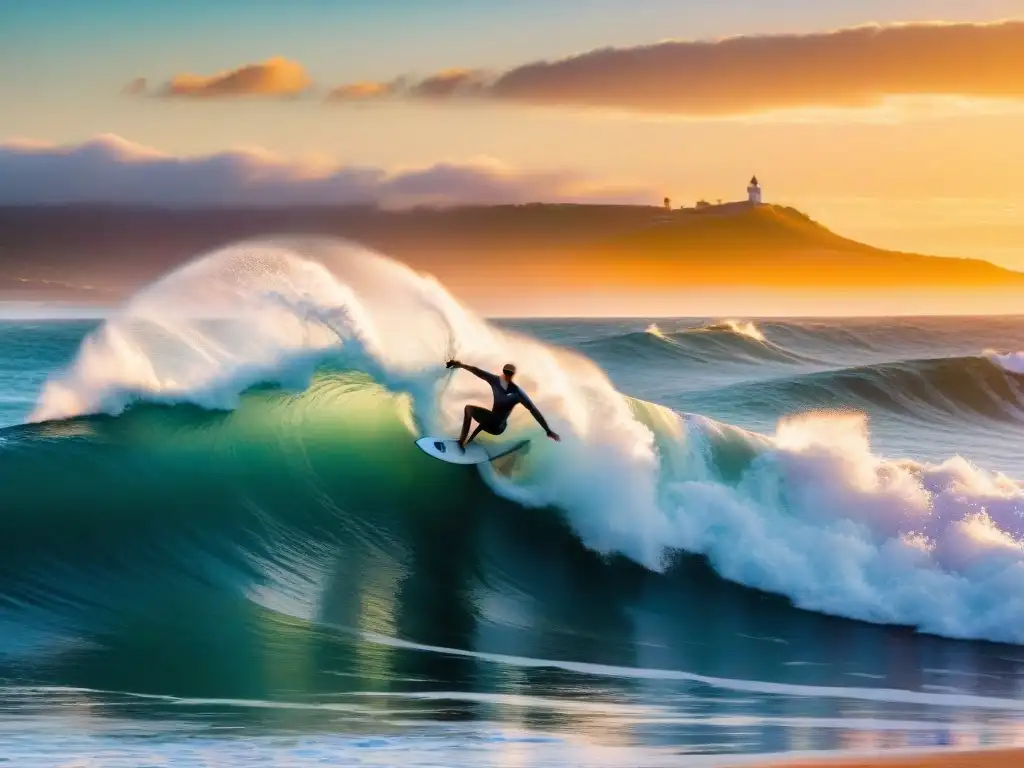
(116,248)
(771,245)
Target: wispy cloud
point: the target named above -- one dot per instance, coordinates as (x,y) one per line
(276,76)
(136,87)
(109,169)
(451,82)
(848,68)
(364,91)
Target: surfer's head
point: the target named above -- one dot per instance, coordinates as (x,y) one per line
(509,371)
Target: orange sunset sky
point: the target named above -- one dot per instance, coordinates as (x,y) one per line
(897,123)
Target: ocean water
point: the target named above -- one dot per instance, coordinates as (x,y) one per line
(220,546)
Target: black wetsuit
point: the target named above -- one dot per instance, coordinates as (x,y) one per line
(495,420)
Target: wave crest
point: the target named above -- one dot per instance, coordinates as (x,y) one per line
(739,327)
(738,342)
(821,519)
(961,387)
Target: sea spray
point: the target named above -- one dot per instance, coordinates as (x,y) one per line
(822,520)
(1013,362)
(739,327)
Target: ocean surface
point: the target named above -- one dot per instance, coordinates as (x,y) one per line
(219,544)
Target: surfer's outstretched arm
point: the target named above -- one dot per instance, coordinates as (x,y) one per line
(490,378)
(528,403)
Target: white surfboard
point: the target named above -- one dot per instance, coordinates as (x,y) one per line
(447,449)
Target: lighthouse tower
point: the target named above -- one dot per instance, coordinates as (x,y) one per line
(754,192)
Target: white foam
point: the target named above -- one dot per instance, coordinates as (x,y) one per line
(816,516)
(821,519)
(253,313)
(743,328)
(739,685)
(1012,362)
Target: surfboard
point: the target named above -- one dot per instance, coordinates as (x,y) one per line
(447,449)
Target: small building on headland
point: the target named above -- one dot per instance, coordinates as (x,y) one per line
(754,191)
(703,206)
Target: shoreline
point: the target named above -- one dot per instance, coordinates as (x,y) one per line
(974,757)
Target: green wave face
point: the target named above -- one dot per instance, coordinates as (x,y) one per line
(251,553)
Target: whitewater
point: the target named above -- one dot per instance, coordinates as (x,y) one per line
(806,510)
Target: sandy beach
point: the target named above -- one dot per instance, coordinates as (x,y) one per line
(1001,758)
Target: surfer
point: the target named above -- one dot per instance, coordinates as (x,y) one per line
(507,395)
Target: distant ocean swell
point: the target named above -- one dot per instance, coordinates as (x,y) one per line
(987,385)
(717,343)
(966,387)
(239,420)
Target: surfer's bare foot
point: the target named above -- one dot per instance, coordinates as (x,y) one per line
(462,446)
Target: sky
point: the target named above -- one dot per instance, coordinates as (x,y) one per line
(897,122)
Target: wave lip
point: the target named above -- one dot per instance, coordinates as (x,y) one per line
(255,313)
(1011,362)
(739,327)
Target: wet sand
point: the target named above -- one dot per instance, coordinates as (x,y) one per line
(1001,758)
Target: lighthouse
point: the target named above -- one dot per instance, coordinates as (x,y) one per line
(754,191)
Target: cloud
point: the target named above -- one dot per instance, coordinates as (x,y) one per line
(274,77)
(451,82)
(364,91)
(109,169)
(136,87)
(848,68)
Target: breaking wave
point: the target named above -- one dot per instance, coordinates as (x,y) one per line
(280,336)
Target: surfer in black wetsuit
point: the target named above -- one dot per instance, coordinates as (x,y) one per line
(507,395)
